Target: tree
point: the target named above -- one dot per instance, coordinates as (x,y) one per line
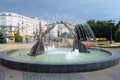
(2,37)
(117,35)
(18,38)
(102,28)
(92,24)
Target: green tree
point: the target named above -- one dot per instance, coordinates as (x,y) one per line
(18,38)
(117,35)
(102,28)
(92,24)
(2,37)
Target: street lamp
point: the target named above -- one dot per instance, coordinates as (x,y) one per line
(111,23)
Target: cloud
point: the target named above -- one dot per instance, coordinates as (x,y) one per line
(97,9)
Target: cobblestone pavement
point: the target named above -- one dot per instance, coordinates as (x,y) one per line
(112,73)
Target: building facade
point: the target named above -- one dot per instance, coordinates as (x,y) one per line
(10,22)
(27,26)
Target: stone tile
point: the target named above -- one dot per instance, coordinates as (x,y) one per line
(114,76)
(13,75)
(51,76)
(10,74)
(2,76)
(97,77)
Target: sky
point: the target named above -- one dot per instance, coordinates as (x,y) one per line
(80,9)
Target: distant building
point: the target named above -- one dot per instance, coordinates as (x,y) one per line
(10,22)
(43,27)
(28,26)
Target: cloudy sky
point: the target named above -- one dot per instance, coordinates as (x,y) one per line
(81,9)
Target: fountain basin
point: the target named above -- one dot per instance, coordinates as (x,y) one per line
(60,55)
(58,67)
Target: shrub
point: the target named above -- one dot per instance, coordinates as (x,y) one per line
(2,37)
(18,38)
(117,35)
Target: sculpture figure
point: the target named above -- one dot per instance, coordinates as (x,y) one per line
(38,48)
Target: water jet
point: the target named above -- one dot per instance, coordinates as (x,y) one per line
(84,54)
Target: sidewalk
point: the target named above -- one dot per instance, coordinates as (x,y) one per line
(9,46)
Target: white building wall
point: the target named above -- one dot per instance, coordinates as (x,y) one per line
(9,22)
(27,26)
(54,31)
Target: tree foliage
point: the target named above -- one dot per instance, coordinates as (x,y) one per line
(103,28)
(18,38)
(2,37)
(117,33)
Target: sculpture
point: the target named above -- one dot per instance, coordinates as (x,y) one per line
(38,48)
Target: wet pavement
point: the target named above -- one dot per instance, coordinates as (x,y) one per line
(112,73)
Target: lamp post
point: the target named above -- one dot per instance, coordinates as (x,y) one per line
(111,23)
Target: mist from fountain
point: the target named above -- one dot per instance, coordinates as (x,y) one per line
(71,55)
(50,18)
(49,48)
(68,55)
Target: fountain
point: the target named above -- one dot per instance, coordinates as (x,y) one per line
(81,56)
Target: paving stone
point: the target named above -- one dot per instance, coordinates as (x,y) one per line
(114,76)
(48,76)
(2,76)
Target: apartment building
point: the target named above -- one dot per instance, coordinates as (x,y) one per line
(10,22)
(27,26)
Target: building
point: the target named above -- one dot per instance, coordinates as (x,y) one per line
(10,22)
(28,26)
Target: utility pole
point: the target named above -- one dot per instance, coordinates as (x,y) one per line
(111,23)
